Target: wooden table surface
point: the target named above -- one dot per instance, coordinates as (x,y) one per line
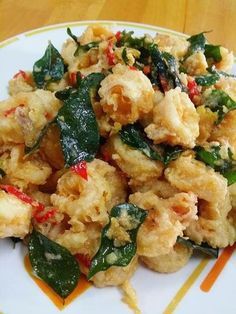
(188,16)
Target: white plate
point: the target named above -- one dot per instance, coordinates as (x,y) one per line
(157,293)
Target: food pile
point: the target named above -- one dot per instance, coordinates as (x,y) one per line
(119,150)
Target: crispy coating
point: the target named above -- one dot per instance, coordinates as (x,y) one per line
(15,216)
(132,162)
(207,120)
(24,115)
(115,276)
(213,227)
(95,33)
(24,171)
(227,84)
(177,258)
(91,200)
(166,220)
(19,84)
(196,64)
(174,45)
(227,60)
(175,120)
(226,130)
(126,94)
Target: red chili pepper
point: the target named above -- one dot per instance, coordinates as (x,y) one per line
(110,54)
(12,110)
(118,36)
(22,196)
(29,200)
(83,259)
(21,73)
(73,78)
(146,69)
(106,155)
(192,89)
(43,218)
(133,68)
(81,169)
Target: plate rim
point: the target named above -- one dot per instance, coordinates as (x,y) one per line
(55,26)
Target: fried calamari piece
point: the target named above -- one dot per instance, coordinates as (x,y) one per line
(126,94)
(166,220)
(177,258)
(175,120)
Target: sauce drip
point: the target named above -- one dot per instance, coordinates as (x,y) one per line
(60,303)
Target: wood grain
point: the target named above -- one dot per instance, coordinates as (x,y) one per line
(189,16)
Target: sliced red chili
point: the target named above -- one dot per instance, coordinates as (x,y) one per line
(22,196)
(133,68)
(73,78)
(81,169)
(118,35)
(83,259)
(21,73)
(146,69)
(110,54)
(43,218)
(192,89)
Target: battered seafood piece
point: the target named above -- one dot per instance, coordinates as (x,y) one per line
(24,171)
(196,64)
(24,115)
(212,226)
(126,94)
(132,162)
(174,45)
(89,201)
(175,120)
(15,216)
(177,258)
(166,220)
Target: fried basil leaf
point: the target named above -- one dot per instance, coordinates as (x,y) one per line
(76,120)
(164,72)
(170,153)
(132,135)
(213,52)
(111,254)
(35,146)
(124,56)
(2,173)
(204,247)
(213,158)
(197,43)
(207,80)
(50,68)
(53,263)
(220,102)
(81,48)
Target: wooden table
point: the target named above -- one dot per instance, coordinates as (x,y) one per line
(188,16)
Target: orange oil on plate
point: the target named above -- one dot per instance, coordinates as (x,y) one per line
(60,303)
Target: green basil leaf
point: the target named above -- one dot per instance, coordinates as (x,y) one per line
(173,70)
(220,102)
(124,56)
(131,135)
(74,37)
(213,52)
(84,48)
(50,68)
(213,70)
(35,146)
(204,247)
(76,120)
(53,263)
(212,158)
(110,254)
(207,80)
(64,94)
(2,173)
(171,153)
(197,43)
